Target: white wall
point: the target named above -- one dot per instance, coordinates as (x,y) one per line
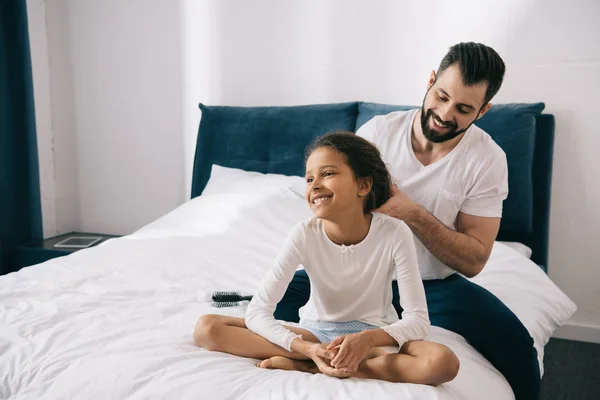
(126,58)
(139,68)
(556,58)
(68,212)
(38,38)
(55,115)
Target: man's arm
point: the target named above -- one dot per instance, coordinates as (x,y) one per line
(465,250)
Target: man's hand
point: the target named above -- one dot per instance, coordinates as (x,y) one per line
(399,205)
(352,350)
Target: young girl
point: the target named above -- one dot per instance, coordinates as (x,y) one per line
(351,256)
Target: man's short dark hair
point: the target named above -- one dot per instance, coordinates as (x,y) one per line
(477,63)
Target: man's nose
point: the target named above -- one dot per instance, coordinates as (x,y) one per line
(445,113)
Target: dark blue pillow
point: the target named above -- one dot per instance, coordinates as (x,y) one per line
(263,139)
(366,111)
(512,126)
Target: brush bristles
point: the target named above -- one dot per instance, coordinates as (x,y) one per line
(227,294)
(223,304)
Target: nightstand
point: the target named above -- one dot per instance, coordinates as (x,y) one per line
(43,250)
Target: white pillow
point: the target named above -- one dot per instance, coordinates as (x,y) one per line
(526,289)
(519,247)
(234,180)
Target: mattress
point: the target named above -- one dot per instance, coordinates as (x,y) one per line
(116,321)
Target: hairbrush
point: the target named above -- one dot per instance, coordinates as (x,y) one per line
(228,299)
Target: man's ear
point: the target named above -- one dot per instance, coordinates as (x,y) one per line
(431,79)
(484,109)
(364,186)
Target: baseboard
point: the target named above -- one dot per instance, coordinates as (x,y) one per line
(582,333)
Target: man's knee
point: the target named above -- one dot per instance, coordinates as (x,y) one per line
(206,331)
(499,325)
(440,366)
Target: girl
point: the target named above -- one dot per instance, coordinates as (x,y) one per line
(351,256)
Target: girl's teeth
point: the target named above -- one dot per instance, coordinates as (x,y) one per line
(320,200)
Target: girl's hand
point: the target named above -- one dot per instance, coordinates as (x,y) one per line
(352,350)
(322,357)
(319,350)
(328,370)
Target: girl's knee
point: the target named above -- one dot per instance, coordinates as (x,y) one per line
(441,366)
(206,331)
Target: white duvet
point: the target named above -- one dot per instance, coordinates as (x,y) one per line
(115,321)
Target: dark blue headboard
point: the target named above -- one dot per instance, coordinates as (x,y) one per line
(263,139)
(273,140)
(537,239)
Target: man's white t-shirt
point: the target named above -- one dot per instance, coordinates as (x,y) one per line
(472,178)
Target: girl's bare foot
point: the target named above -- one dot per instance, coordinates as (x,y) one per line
(280,362)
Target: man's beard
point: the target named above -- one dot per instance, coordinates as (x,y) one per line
(437,137)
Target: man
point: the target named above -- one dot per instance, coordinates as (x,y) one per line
(451,180)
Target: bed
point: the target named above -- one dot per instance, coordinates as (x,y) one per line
(115,321)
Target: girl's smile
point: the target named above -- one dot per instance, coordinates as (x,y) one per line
(319,199)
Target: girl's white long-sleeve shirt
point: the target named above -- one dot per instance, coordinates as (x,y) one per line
(348,283)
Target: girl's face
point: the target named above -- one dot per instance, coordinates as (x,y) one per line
(331,188)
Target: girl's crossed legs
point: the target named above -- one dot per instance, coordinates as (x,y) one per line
(418,361)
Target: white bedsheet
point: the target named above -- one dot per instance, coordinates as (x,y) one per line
(115,321)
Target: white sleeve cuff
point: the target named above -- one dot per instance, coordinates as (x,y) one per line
(398,338)
(287,344)
(492,212)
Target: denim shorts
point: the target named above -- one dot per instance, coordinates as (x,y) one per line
(326,331)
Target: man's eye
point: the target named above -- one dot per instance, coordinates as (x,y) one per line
(463,111)
(442,98)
